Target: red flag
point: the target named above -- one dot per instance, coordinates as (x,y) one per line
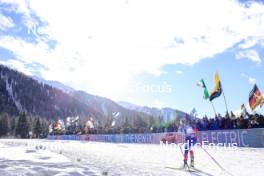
(255,98)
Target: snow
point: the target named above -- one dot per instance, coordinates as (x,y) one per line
(9,89)
(17,158)
(94,158)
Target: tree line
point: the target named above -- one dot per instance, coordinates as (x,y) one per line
(23,126)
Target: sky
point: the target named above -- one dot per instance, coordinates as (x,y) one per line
(147,52)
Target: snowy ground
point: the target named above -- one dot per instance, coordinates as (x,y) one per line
(22,157)
(17,158)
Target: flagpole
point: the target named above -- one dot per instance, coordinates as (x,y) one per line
(213,107)
(225,100)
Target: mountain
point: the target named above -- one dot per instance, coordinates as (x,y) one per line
(55,84)
(20,93)
(110,108)
(52,100)
(166,114)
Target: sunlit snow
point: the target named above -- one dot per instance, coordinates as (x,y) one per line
(92,158)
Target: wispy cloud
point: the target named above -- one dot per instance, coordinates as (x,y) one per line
(179,72)
(249,54)
(16,64)
(250,42)
(251,80)
(5,22)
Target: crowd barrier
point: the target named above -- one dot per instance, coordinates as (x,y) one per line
(241,137)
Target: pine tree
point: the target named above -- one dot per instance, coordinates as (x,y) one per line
(22,126)
(126,126)
(38,128)
(4,125)
(13,126)
(44,128)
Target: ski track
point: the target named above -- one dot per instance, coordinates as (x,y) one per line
(94,158)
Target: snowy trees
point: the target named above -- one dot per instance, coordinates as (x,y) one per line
(4,125)
(22,128)
(20,93)
(38,128)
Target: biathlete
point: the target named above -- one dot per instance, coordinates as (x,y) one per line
(191,133)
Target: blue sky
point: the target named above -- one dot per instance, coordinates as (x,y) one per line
(144,52)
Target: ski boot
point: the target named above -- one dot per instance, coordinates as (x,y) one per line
(192,162)
(185,164)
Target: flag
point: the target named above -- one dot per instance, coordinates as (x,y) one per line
(202,84)
(89,124)
(255,98)
(217,91)
(51,128)
(244,110)
(243,107)
(62,124)
(57,126)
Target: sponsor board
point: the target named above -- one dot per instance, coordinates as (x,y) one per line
(242,137)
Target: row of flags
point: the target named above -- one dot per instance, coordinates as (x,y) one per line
(255,96)
(71,123)
(59,125)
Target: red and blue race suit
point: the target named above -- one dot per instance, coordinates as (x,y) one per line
(190,141)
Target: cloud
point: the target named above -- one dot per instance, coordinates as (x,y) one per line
(5,22)
(248,43)
(102,45)
(158,72)
(23,8)
(249,54)
(179,72)
(251,80)
(16,64)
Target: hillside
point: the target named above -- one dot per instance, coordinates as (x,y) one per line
(166,114)
(20,93)
(108,108)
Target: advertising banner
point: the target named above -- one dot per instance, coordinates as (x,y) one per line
(241,137)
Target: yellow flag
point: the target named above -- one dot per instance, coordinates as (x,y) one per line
(217,91)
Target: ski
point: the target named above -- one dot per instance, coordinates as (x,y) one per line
(182,169)
(200,171)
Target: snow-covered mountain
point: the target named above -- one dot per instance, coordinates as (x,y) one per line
(22,94)
(52,100)
(55,84)
(165,114)
(108,107)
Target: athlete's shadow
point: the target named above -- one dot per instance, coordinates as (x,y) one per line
(193,171)
(199,172)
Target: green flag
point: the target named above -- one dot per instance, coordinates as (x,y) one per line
(206,93)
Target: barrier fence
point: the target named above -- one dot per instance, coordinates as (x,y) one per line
(241,137)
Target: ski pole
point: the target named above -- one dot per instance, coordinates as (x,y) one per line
(216,162)
(183,155)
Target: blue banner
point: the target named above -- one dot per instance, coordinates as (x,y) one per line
(242,137)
